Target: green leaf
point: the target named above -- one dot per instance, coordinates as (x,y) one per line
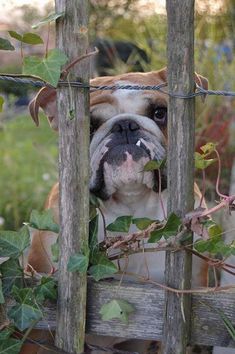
(48,69)
(16,35)
(55,250)
(1,103)
(208,148)
(12,274)
(26,311)
(2,300)
(52,17)
(121,224)
(117,308)
(201,162)
(47,289)
(94,200)
(228,324)
(32,38)
(10,346)
(6,333)
(78,263)
(171,228)
(142,223)
(154,165)
(43,221)
(93,236)
(103,268)
(5,44)
(12,243)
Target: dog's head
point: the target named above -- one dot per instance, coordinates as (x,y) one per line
(128,129)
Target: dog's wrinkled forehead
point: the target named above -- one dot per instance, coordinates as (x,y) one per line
(107,104)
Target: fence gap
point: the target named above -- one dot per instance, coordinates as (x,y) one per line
(180,52)
(73,104)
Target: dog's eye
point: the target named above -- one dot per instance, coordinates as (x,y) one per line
(160,115)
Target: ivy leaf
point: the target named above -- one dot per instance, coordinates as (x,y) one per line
(47,289)
(171,228)
(154,165)
(16,35)
(142,223)
(201,162)
(26,310)
(208,148)
(28,38)
(117,308)
(48,69)
(43,221)
(1,100)
(12,243)
(55,250)
(12,274)
(51,17)
(10,346)
(6,333)
(78,263)
(2,300)
(5,44)
(93,236)
(121,224)
(103,268)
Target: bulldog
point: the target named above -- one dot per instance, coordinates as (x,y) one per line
(128,129)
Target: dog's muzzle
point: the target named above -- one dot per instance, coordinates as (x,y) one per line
(120,149)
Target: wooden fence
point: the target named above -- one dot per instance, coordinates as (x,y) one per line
(158,315)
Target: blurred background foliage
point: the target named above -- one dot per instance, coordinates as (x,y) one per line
(29,155)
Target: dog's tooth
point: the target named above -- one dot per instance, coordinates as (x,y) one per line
(138,143)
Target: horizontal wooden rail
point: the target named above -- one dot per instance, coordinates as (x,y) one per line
(147,321)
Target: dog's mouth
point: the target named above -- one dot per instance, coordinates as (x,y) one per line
(122,166)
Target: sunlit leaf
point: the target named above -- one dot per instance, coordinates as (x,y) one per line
(171,228)
(121,224)
(32,38)
(15,35)
(12,243)
(201,162)
(43,221)
(48,69)
(142,223)
(5,44)
(78,263)
(117,308)
(52,17)
(1,102)
(208,148)
(154,165)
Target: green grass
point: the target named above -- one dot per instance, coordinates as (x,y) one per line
(28,169)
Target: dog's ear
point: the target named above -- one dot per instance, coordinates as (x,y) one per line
(202,82)
(46,99)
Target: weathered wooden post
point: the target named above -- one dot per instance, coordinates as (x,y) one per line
(72,39)
(180,50)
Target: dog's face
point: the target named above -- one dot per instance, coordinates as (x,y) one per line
(128,129)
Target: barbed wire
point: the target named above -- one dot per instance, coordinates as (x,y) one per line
(200,91)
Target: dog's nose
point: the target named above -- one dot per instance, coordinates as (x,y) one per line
(125,125)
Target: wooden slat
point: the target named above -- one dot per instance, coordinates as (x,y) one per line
(73,111)
(147,321)
(180,167)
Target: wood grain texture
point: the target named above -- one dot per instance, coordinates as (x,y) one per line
(180,165)
(72,39)
(147,320)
